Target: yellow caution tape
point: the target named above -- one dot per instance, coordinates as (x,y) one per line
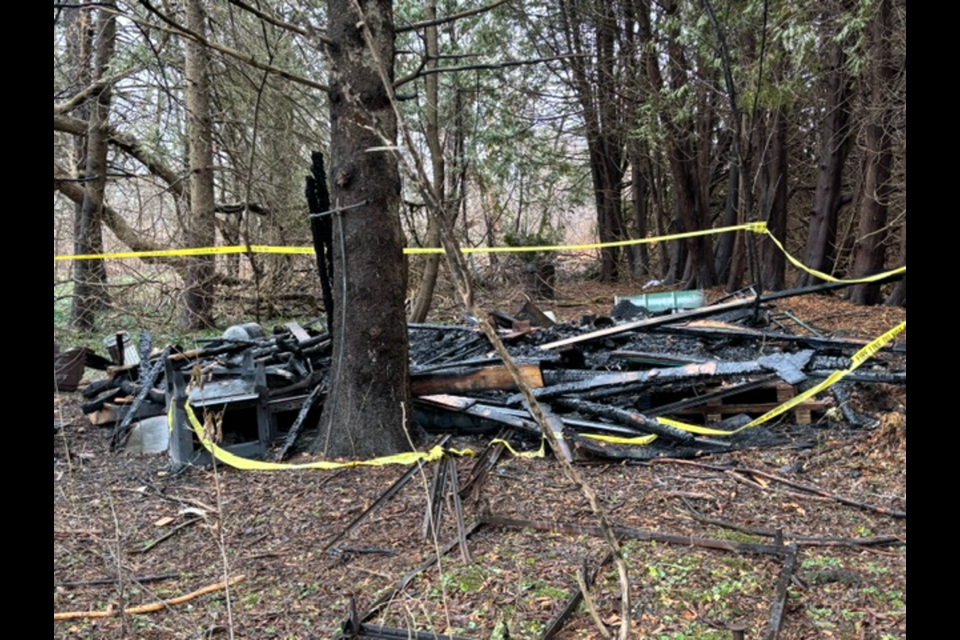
(246,464)
(529,455)
(753,227)
(826,276)
(638,441)
(196,251)
(756,227)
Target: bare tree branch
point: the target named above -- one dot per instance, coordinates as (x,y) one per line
(129,145)
(179,29)
(81,96)
(419,73)
(307,32)
(451,18)
(126,234)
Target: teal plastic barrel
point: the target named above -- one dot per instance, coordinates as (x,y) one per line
(665,300)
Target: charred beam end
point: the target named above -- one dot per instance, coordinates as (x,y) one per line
(627,418)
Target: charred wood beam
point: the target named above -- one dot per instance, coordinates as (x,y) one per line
(380,632)
(635,420)
(119,436)
(101,401)
(812,541)
(779,605)
(434,510)
(298,423)
(485,462)
(771,336)
(648,323)
(382,500)
(493,378)
(867,377)
(789,367)
(610,451)
(702,312)
(690,403)
(114,580)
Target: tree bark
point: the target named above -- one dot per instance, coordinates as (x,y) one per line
(201,227)
(594,73)
(368,405)
(89,294)
(870,249)
(424,298)
(821,251)
(773,204)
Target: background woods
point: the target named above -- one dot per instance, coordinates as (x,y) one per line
(192,123)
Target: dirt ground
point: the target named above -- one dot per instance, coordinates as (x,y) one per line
(126,533)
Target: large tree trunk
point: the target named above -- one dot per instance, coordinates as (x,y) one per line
(870,250)
(201,229)
(89,293)
(594,82)
(898,297)
(821,251)
(424,298)
(369,397)
(773,204)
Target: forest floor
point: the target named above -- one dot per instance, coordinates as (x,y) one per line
(125,516)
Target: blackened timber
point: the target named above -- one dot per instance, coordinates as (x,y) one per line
(383,499)
(789,366)
(485,462)
(648,323)
(780,593)
(434,510)
(458,512)
(628,418)
(379,632)
(297,425)
(698,401)
(120,433)
(771,336)
(645,453)
(868,377)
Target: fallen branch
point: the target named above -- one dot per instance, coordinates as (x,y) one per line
(153,543)
(634,534)
(102,581)
(573,601)
(807,541)
(796,485)
(153,606)
(591,607)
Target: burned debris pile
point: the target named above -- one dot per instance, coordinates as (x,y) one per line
(613,382)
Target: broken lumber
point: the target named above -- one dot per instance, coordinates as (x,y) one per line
(628,418)
(780,593)
(648,323)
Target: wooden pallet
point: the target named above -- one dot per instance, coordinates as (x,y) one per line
(780,392)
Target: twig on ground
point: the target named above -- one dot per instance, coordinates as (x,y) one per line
(153,606)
